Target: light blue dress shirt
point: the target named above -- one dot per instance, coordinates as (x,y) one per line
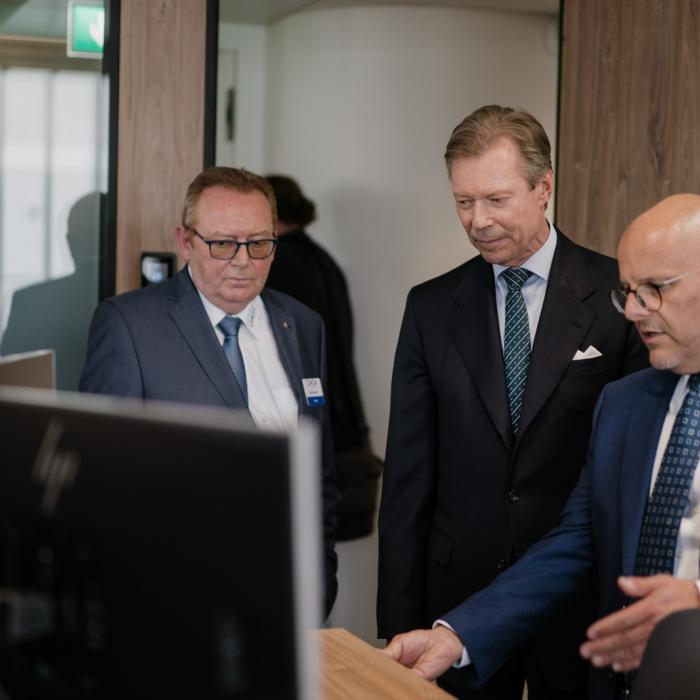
(534,288)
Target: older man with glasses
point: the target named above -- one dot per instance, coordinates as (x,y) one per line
(633,521)
(213,335)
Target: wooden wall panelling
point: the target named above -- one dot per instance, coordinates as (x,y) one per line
(629,113)
(161,122)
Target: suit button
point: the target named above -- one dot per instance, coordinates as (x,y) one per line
(501,564)
(513,496)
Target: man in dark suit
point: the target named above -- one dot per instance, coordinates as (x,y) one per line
(214,335)
(487,439)
(305,271)
(633,520)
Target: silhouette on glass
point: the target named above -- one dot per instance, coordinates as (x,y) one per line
(56,313)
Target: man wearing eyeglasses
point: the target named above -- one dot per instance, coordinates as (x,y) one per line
(213,335)
(633,521)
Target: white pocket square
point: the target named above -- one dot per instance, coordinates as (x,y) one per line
(588,354)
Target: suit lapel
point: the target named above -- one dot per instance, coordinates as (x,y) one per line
(285,330)
(478,341)
(186,310)
(644,428)
(564,322)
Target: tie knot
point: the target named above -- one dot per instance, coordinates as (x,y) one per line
(515,278)
(229,326)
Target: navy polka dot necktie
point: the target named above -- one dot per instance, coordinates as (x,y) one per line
(669,497)
(516,341)
(230,326)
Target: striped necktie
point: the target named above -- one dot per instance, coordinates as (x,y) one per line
(516,341)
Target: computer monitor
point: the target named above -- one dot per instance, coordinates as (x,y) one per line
(35,369)
(154,551)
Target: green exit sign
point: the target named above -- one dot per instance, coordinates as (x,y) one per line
(86,28)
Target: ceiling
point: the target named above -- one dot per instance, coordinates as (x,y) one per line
(48,17)
(266,11)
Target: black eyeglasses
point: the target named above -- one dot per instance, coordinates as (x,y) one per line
(226,249)
(648,295)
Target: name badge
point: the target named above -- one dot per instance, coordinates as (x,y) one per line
(313,391)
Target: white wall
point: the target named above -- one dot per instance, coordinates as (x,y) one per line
(248,44)
(359,105)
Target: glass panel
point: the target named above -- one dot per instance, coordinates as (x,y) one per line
(356,101)
(53,171)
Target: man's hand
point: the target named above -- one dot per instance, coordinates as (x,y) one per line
(428,652)
(619,639)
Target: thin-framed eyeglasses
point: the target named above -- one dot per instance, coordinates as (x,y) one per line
(648,295)
(226,248)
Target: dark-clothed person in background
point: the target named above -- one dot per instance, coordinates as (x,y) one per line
(305,271)
(498,367)
(633,520)
(214,335)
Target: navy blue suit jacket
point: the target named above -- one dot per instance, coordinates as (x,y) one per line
(158,343)
(596,537)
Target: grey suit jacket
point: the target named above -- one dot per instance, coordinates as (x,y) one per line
(158,343)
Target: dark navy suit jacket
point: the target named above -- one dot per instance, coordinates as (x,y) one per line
(596,537)
(158,343)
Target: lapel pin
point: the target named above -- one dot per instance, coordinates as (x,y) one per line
(285,324)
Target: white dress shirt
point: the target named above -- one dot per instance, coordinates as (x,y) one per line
(271,401)
(687,564)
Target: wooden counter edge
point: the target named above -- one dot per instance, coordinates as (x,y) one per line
(349,668)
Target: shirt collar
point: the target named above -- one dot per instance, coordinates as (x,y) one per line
(251,315)
(540,262)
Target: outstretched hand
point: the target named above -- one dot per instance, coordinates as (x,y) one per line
(619,639)
(427,652)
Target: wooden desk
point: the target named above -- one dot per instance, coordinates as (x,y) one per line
(350,669)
